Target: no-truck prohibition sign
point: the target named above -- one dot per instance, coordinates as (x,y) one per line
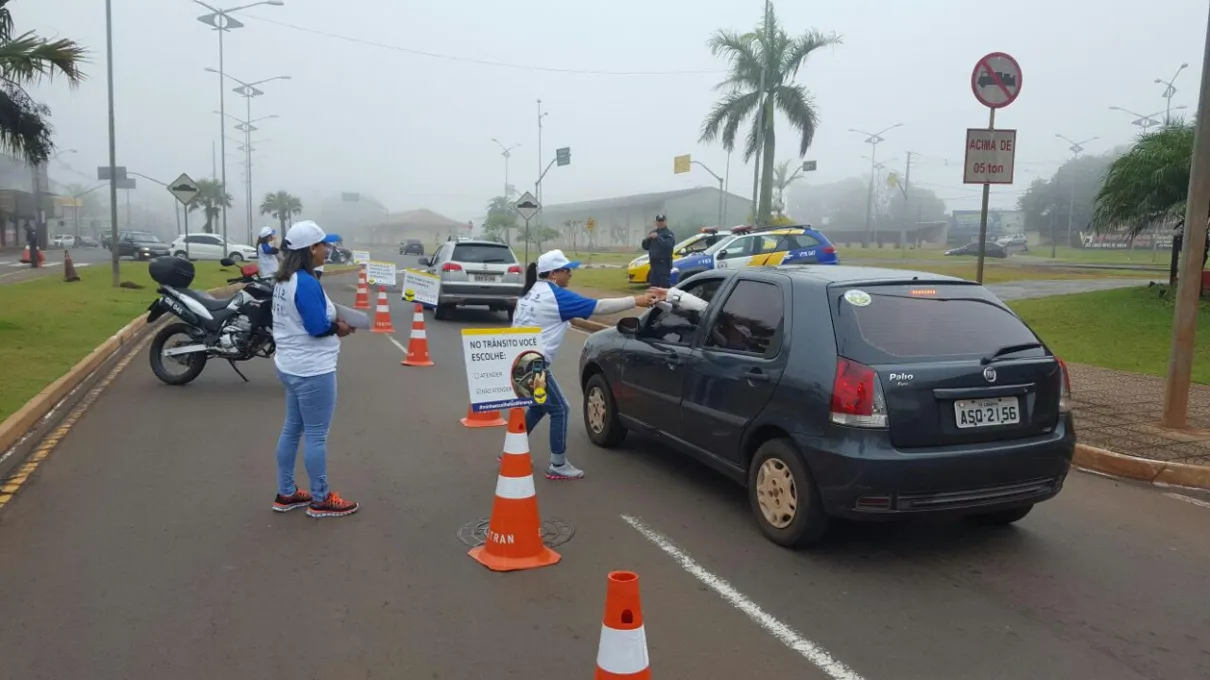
(996,80)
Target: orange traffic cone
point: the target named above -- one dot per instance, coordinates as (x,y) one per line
(69,269)
(363,291)
(418,343)
(622,653)
(382,314)
(514,535)
(482,418)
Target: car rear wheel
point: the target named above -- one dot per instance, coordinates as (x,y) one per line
(1001,517)
(784,498)
(236,257)
(605,429)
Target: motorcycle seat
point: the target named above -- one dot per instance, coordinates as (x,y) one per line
(207,300)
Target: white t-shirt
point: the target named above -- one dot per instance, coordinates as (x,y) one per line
(301,310)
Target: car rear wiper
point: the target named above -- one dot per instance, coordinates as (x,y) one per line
(1009,349)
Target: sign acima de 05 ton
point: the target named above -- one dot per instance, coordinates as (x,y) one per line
(990,156)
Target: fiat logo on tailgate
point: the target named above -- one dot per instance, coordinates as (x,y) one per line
(989,374)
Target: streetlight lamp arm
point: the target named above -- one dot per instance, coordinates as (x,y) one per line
(712,173)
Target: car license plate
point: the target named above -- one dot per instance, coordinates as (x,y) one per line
(484,277)
(970,413)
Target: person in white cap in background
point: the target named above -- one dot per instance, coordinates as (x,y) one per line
(307,333)
(266,252)
(548,305)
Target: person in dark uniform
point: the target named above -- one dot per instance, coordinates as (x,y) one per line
(31,237)
(659,245)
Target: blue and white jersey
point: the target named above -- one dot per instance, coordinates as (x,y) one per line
(266,260)
(302,327)
(551,308)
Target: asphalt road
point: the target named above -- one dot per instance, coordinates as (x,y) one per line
(144,547)
(12,271)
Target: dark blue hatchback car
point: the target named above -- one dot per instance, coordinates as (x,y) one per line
(836,391)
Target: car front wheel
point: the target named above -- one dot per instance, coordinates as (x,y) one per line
(784,498)
(605,429)
(1001,517)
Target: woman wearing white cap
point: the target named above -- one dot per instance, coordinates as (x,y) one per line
(547,304)
(266,252)
(307,334)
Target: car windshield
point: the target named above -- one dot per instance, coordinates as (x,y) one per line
(484,253)
(720,245)
(138,237)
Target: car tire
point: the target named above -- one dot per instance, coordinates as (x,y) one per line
(604,427)
(778,474)
(1001,517)
(443,312)
(180,255)
(236,257)
(510,312)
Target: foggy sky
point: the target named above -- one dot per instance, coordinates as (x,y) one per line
(415,131)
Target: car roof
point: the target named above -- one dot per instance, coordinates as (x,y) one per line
(845,274)
(478,242)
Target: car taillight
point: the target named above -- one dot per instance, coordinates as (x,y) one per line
(829,249)
(515,269)
(1065,389)
(857,399)
(451,267)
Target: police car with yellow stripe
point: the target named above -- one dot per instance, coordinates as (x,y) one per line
(766,246)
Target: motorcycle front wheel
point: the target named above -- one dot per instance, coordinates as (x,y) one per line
(180,369)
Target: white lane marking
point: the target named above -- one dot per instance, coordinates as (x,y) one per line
(397,344)
(812,652)
(1189,499)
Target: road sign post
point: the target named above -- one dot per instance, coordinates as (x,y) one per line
(527,206)
(185,190)
(996,82)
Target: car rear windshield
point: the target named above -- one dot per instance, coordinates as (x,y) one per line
(483,253)
(139,237)
(882,324)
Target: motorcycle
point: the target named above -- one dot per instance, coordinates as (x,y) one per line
(238,328)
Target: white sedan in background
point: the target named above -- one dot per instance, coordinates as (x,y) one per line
(64,241)
(210,247)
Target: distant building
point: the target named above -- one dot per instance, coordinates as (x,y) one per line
(625,220)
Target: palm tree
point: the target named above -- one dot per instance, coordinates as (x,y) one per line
(779,57)
(27,59)
(501,218)
(1149,183)
(281,205)
(212,198)
(783,178)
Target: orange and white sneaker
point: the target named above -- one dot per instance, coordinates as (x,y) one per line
(332,506)
(295,500)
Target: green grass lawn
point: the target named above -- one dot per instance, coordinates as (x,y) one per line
(47,326)
(1128,329)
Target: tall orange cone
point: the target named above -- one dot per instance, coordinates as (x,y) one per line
(382,314)
(514,535)
(482,418)
(622,653)
(418,342)
(69,269)
(363,291)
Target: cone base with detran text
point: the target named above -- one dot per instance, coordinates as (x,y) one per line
(482,418)
(514,533)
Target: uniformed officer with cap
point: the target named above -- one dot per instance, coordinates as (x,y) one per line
(659,244)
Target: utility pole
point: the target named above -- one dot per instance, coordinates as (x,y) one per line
(1076,148)
(907,203)
(113,153)
(1197,213)
(764,116)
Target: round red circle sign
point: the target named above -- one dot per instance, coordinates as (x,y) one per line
(996,80)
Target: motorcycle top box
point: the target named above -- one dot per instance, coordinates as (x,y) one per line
(171,271)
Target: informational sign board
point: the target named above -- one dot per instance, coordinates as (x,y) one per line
(996,80)
(361,256)
(681,164)
(990,156)
(421,287)
(380,273)
(505,368)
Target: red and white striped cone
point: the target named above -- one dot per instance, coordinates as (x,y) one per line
(418,343)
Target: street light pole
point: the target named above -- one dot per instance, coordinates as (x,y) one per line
(873,139)
(165,185)
(1169,91)
(506,151)
(764,116)
(1076,148)
(113,153)
(221,20)
(1197,212)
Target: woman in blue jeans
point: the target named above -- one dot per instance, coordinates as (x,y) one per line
(548,305)
(307,334)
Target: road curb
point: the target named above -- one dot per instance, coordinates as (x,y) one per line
(26,418)
(1142,469)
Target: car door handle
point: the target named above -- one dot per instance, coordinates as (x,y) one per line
(756,375)
(673,361)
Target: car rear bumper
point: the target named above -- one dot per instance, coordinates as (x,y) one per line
(473,294)
(861,477)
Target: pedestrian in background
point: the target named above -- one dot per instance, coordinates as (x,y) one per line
(266,252)
(659,244)
(547,304)
(307,333)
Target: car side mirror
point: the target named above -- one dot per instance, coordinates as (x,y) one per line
(629,325)
(722,255)
(424,261)
(227,262)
